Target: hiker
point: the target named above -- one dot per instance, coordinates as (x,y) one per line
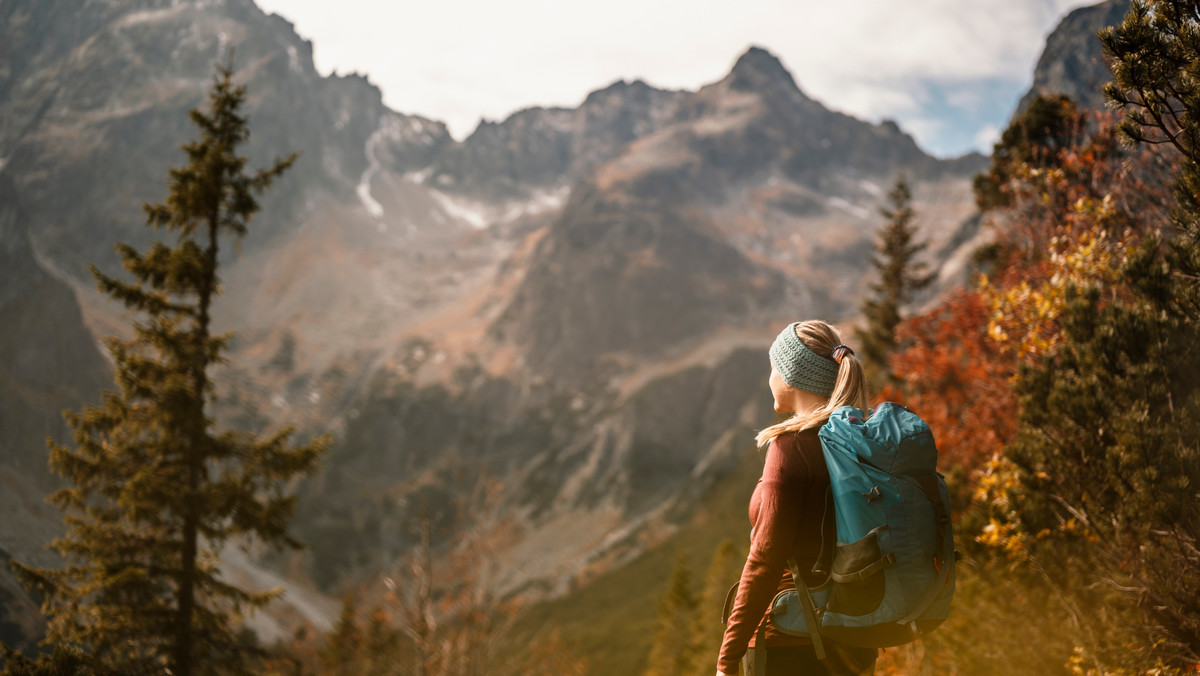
(812,374)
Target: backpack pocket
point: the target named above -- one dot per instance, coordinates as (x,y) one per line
(857,573)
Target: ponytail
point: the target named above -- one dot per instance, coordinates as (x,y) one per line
(850,388)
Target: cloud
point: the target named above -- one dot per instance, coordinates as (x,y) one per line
(987,136)
(459,60)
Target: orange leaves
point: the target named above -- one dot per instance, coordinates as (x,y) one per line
(957,378)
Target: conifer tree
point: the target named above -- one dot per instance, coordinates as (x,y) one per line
(722,571)
(343,648)
(1032,141)
(676,648)
(154,490)
(380,645)
(900,276)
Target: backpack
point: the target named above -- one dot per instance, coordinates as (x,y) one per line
(891,577)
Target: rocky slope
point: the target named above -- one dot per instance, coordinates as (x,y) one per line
(1072,62)
(49,362)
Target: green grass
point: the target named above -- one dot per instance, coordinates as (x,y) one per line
(610,622)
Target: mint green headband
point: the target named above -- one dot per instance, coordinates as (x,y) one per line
(800,367)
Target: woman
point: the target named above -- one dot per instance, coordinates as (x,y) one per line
(812,374)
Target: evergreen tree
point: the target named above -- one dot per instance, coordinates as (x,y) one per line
(343,648)
(154,491)
(900,275)
(1031,141)
(676,648)
(380,645)
(722,572)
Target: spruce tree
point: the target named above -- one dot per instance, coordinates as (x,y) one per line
(676,648)
(900,276)
(153,489)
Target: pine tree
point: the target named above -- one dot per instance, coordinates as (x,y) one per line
(154,491)
(900,276)
(676,648)
(1031,141)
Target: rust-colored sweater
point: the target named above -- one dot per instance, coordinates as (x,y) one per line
(785,513)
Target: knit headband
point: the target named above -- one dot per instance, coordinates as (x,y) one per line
(800,367)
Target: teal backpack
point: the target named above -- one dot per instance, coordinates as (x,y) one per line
(891,578)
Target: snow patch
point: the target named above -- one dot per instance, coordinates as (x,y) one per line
(871,187)
(238,568)
(853,210)
(462,210)
(419,177)
(149,16)
(363,190)
(539,202)
(343,117)
(402,128)
(294,59)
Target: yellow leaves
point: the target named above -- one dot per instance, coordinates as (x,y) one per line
(1024,315)
(1005,537)
(997,484)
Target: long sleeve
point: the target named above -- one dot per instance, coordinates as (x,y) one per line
(780,497)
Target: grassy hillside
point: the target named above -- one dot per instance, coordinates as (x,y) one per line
(611,620)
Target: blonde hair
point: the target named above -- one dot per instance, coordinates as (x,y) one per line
(849,390)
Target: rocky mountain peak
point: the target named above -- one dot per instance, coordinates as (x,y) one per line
(759,70)
(1072,62)
(620,88)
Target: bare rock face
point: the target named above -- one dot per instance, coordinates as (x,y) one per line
(48,362)
(550,147)
(1072,62)
(641,260)
(95,108)
(620,273)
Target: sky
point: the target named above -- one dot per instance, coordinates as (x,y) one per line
(950,72)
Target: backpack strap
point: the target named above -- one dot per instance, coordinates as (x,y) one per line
(810,609)
(824,562)
(729,598)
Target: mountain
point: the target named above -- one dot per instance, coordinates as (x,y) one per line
(1072,61)
(570,305)
(49,362)
(714,220)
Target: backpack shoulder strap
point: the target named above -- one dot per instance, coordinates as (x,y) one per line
(810,609)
